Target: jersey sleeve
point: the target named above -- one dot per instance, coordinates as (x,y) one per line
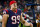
(5,11)
(21,11)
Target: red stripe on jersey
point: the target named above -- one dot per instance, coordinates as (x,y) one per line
(7,11)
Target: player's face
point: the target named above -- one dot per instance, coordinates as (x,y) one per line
(14,6)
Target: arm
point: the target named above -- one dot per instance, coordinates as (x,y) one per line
(4,20)
(24,22)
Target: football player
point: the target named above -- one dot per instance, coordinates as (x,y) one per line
(12,16)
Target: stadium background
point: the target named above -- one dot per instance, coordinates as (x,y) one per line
(4,4)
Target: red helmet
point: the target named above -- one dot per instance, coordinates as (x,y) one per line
(12,2)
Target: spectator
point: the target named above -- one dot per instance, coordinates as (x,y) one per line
(5,8)
(0,6)
(25,9)
(38,8)
(5,3)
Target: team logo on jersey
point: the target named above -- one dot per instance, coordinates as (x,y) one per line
(4,12)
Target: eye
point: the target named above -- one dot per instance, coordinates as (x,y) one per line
(14,4)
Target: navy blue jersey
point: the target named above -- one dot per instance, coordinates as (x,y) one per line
(14,18)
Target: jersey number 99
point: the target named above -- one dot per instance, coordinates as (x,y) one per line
(15,19)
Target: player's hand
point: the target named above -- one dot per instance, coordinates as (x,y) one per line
(28,24)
